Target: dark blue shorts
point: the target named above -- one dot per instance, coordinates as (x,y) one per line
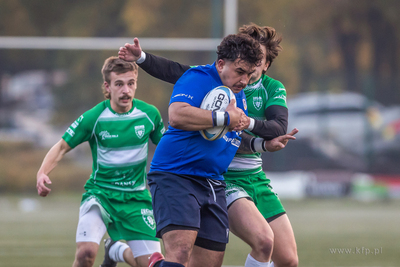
(190,201)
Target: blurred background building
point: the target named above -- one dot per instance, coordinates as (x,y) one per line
(339,64)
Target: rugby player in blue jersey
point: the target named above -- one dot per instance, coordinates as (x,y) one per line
(267,106)
(185,176)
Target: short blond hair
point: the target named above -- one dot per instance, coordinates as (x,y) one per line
(117,65)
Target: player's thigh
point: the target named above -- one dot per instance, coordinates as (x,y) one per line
(91,227)
(265,198)
(204,257)
(285,249)
(247,223)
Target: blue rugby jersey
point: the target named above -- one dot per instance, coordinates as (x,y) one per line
(187,152)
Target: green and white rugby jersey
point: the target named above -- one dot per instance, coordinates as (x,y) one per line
(259,96)
(119,143)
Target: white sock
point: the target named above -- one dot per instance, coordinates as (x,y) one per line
(116,251)
(251,262)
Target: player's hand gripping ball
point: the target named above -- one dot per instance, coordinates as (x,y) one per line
(216,100)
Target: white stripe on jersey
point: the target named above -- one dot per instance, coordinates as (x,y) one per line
(125,156)
(107,115)
(241,163)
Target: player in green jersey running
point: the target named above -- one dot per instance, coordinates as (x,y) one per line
(261,222)
(116,198)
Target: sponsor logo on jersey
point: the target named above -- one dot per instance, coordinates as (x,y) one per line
(106,135)
(70,132)
(139,130)
(128,183)
(184,95)
(74,125)
(257,102)
(233,141)
(280,89)
(148,218)
(244,104)
(281,97)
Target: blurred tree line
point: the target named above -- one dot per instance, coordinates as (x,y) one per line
(336,45)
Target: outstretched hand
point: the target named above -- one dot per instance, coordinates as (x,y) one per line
(280,142)
(130,52)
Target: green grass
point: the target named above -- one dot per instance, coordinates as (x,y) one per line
(46,237)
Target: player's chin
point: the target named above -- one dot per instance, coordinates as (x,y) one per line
(237,89)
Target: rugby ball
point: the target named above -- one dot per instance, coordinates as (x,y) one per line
(216,100)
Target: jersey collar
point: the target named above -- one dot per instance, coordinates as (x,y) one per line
(108,104)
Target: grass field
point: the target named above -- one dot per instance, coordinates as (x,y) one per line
(330,232)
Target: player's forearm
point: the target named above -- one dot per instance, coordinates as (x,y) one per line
(245,144)
(186,117)
(55,154)
(162,68)
(274,126)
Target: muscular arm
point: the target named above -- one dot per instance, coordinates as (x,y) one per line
(55,154)
(186,117)
(162,68)
(275,125)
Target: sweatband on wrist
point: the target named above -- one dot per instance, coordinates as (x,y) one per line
(258,145)
(251,126)
(227,118)
(220,118)
(142,58)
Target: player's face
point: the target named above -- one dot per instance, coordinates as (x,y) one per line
(235,74)
(262,68)
(122,89)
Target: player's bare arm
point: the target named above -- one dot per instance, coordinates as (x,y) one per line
(186,117)
(130,52)
(55,154)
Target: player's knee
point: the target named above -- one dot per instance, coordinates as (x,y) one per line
(290,260)
(86,256)
(264,244)
(182,254)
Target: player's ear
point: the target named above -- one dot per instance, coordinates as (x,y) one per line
(107,86)
(266,66)
(220,64)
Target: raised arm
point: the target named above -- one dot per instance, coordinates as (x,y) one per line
(158,67)
(50,161)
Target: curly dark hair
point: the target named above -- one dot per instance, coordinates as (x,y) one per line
(241,46)
(117,65)
(266,36)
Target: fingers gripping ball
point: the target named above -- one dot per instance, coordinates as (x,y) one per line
(217,100)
